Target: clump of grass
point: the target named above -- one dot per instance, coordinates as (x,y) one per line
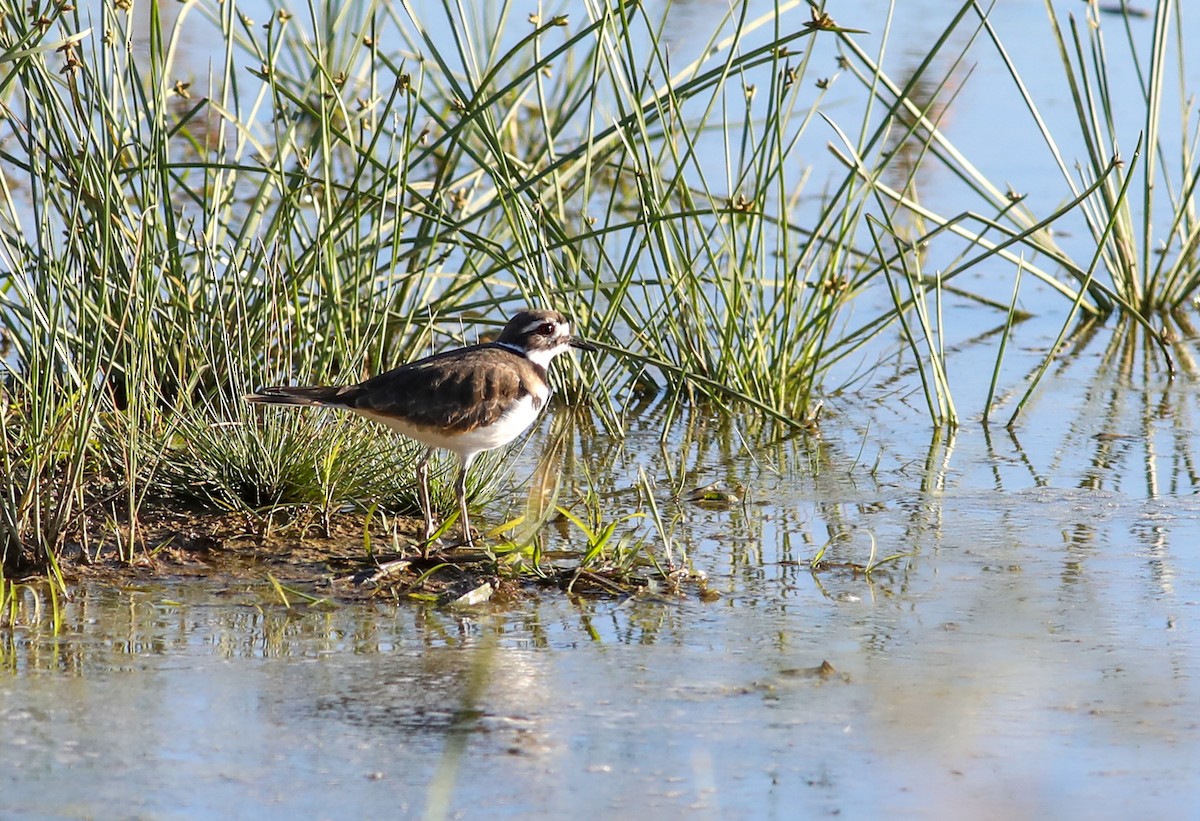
(319,216)
(320,208)
(1151,250)
(1134,190)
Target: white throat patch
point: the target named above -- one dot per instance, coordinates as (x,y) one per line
(544,356)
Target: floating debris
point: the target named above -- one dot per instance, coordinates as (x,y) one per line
(717,494)
(481,594)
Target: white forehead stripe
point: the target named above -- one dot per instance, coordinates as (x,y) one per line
(537,323)
(531,327)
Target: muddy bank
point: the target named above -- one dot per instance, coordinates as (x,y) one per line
(342,559)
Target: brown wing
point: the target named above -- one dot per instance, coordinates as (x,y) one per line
(471,390)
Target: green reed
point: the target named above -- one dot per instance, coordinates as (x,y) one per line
(1150,257)
(1133,190)
(319,209)
(316,206)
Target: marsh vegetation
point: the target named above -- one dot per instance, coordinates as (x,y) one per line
(888,463)
(739,221)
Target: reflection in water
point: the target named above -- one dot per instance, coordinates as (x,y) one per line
(1031,644)
(1024,647)
(908,142)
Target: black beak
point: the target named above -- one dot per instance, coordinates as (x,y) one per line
(581,344)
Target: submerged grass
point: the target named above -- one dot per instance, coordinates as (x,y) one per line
(310,206)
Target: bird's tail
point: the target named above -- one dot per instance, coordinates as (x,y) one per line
(313,397)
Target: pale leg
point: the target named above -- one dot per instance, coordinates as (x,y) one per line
(423,493)
(460,488)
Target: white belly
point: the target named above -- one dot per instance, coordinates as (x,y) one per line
(507,428)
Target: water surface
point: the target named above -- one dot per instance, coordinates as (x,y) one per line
(1031,654)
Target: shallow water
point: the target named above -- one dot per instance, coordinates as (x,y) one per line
(1033,654)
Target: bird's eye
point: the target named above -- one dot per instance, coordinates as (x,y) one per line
(545,329)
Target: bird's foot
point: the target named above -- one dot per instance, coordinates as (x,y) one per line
(431,544)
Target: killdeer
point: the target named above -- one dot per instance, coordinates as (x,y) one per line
(467,400)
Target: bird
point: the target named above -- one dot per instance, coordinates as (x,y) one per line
(467,400)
